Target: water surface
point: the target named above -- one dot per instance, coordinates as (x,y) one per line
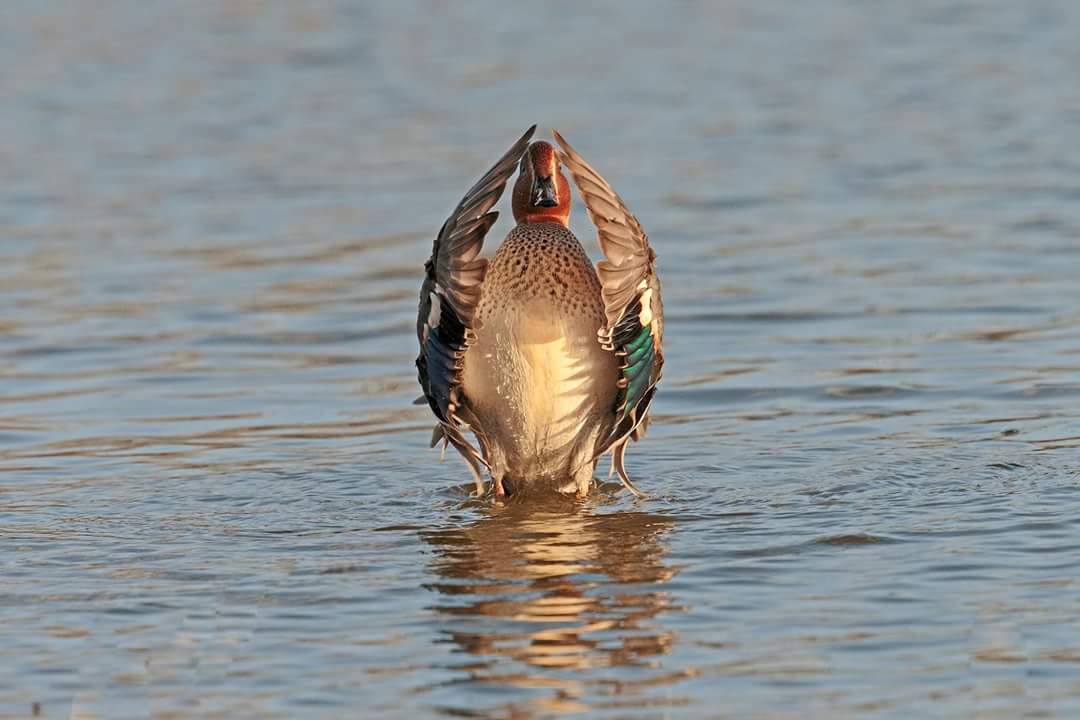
(216,499)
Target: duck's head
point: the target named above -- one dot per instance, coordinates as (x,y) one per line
(541,193)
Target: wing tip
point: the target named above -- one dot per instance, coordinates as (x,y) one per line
(568,151)
(527,135)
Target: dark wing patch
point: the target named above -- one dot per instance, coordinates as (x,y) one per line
(641,361)
(637,370)
(633,309)
(449,296)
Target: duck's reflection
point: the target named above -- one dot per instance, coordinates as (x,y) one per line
(527,593)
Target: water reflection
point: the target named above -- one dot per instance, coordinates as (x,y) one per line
(529,595)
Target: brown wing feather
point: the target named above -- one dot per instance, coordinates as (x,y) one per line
(448,299)
(629,257)
(633,309)
(458,269)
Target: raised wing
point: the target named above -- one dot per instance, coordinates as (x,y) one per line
(448,300)
(633,309)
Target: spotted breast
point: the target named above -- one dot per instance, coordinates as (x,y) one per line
(536,377)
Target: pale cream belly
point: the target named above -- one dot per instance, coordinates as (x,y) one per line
(542,388)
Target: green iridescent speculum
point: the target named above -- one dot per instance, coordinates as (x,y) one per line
(639,357)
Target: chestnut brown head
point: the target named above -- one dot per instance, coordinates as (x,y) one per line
(541,193)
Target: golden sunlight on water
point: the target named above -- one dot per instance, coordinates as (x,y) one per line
(523,589)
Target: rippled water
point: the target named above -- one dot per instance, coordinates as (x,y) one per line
(216,499)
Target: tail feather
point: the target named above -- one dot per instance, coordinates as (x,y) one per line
(617,455)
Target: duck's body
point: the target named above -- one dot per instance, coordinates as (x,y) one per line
(549,363)
(537,380)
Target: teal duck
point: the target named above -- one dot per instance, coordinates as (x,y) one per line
(548,362)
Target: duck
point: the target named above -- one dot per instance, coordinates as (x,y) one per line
(547,361)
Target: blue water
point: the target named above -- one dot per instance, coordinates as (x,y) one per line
(216,499)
